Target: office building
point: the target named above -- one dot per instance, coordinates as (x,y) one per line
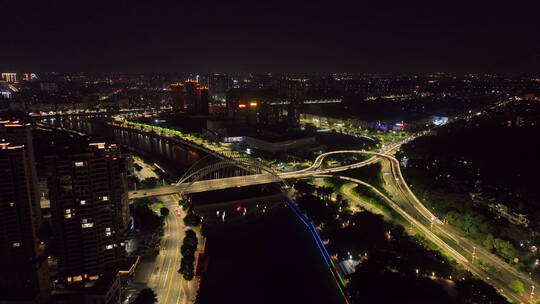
(24,276)
(89,208)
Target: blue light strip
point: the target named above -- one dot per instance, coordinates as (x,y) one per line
(319,242)
(309,226)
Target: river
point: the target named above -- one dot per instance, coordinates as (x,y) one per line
(260,251)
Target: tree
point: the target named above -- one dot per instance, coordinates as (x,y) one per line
(186,270)
(146,219)
(304,187)
(192,219)
(191,241)
(146,296)
(142,201)
(187,250)
(488,243)
(164,211)
(516,286)
(505,249)
(150,182)
(190,233)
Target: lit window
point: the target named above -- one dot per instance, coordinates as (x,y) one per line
(17,244)
(122,244)
(85,221)
(80,164)
(108,233)
(83,202)
(109,247)
(67,216)
(88,225)
(103,198)
(11,204)
(67,211)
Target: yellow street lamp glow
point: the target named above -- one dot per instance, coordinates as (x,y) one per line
(252,104)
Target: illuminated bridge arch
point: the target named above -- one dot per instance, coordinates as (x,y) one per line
(239,170)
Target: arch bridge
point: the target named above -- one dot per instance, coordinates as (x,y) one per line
(211,173)
(208,175)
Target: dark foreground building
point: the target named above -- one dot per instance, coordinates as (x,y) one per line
(89,209)
(24,276)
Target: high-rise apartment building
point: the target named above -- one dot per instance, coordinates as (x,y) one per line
(89,208)
(24,276)
(178,97)
(201,106)
(190,96)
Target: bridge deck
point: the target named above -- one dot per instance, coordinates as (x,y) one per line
(207,185)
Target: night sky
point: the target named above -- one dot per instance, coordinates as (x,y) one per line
(278,36)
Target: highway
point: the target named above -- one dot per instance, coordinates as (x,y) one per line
(165,279)
(500,283)
(397,187)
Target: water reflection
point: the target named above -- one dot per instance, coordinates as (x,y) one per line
(172,155)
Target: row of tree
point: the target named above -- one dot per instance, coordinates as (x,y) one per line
(191,219)
(304,187)
(188,250)
(472,222)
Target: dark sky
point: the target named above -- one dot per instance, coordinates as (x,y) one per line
(362,35)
